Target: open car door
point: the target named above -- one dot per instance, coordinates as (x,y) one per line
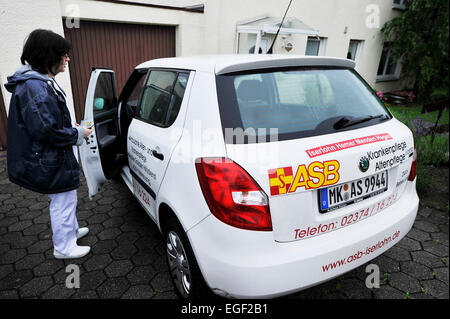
(101,155)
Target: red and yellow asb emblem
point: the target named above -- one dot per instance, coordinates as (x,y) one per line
(280,180)
(315,175)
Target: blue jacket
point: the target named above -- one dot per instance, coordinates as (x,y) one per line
(40,135)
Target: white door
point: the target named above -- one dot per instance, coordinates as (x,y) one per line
(155,130)
(99,154)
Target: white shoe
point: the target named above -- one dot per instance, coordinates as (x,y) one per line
(81,232)
(77,252)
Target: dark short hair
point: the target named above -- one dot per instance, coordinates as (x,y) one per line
(44,49)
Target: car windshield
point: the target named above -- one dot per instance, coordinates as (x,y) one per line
(297,103)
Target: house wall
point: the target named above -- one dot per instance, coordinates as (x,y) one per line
(331,17)
(212,32)
(19,18)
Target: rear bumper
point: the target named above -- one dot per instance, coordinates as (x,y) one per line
(249,264)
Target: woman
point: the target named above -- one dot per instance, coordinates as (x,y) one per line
(42,155)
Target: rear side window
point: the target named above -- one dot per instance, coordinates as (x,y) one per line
(176,98)
(296,103)
(162,96)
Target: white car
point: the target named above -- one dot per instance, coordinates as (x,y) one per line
(267,174)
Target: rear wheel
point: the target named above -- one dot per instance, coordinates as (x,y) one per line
(183,267)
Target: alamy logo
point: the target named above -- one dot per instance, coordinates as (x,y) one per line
(373,16)
(73,279)
(72,12)
(373,279)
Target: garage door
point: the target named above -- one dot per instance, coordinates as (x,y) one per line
(118,46)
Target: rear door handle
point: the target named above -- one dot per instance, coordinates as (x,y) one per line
(159,156)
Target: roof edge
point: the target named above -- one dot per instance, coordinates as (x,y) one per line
(194,9)
(285,62)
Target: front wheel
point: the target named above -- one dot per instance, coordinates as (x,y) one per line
(183,267)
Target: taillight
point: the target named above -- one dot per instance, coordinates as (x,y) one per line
(413,172)
(232,195)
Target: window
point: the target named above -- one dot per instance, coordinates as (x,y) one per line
(399,4)
(130,96)
(104,96)
(354,49)
(133,98)
(303,88)
(298,102)
(247,41)
(176,98)
(162,97)
(388,69)
(315,46)
(264,45)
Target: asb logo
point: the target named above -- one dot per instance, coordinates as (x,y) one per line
(317,174)
(364,164)
(280,180)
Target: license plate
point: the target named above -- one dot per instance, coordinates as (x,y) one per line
(341,195)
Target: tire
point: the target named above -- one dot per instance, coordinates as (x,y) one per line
(183,268)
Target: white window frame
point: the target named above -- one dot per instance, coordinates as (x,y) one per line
(358,49)
(400,5)
(322,43)
(266,29)
(259,39)
(238,37)
(389,77)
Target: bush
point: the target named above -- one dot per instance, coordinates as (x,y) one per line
(424,180)
(419,36)
(436,153)
(429,154)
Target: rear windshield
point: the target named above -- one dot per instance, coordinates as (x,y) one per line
(295,103)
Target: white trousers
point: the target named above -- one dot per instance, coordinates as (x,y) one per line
(63,207)
(64,222)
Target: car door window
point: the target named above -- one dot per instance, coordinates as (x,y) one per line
(162,96)
(133,98)
(104,93)
(156,96)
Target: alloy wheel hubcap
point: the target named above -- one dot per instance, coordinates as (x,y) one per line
(178,264)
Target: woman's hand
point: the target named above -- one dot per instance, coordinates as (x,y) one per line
(87,131)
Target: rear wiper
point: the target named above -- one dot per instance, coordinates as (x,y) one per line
(345,121)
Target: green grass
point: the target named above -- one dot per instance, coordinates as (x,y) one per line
(429,154)
(405,113)
(435,153)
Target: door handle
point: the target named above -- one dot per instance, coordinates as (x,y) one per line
(159,156)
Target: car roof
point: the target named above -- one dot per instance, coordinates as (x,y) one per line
(222,64)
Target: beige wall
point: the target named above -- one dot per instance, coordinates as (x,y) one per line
(209,33)
(19,18)
(331,17)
